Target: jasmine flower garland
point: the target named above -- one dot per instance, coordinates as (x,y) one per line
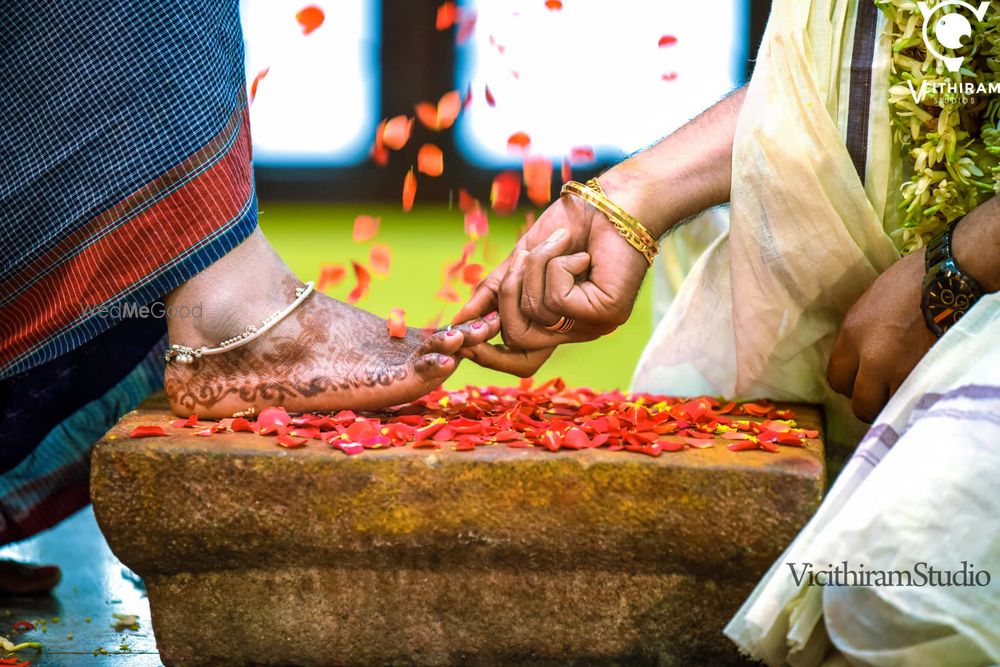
(949,132)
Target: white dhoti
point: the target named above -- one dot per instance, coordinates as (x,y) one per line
(757,317)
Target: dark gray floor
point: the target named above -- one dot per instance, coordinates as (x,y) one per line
(95,585)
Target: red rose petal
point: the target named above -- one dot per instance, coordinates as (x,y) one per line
(538,179)
(553,5)
(147,432)
(363,279)
(256,80)
(310,18)
(397,323)
(477,223)
(447,14)
(330,275)
(472,274)
(366,228)
(505,192)
(409,190)
(290,442)
(667,40)
(489,97)
(380,257)
(397,132)
(430,160)
(567,171)
(519,142)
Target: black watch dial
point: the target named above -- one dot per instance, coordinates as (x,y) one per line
(948,295)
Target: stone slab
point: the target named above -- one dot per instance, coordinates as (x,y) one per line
(498,555)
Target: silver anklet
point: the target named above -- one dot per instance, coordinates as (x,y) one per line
(183,354)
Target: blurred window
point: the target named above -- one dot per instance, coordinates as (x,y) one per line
(594,72)
(317,105)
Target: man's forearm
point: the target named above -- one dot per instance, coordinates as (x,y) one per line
(976,244)
(684,174)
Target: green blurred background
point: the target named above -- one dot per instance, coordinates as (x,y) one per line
(423,241)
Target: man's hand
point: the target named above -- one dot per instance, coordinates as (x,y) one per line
(882,339)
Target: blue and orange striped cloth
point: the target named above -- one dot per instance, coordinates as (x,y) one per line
(125,169)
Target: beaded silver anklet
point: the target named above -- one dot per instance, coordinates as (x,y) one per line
(183,354)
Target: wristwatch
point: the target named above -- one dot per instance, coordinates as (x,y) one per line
(949,291)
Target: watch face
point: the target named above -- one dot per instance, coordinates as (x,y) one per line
(947,297)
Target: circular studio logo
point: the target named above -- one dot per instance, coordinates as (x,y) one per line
(949,28)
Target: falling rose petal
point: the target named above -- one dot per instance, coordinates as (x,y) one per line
(467,100)
(397,132)
(380,257)
(256,80)
(448,293)
(553,5)
(667,40)
(567,171)
(310,18)
(330,275)
(409,190)
(442,116)
(365,228)
(538,179)
(364,279)
(581,154)
(432,324)
(397,323)
(466,25)
(489,97)
(519,142)
(477,223)
(430,160)
(379,134)
(669,76)
(472,274)
(447,14)
(505,192)
(380,156)
(448,109)
(147,432)
(466,202)
(291,442)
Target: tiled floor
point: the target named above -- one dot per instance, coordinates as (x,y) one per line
(95,585)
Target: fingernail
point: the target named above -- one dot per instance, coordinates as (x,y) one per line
(492,316)
(451,332)
(443,359)
(476,325)
(556,235)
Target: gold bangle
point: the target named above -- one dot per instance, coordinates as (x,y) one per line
(634,232)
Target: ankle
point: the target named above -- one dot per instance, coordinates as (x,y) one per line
(241,289)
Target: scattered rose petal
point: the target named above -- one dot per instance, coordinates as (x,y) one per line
(667,40)
(272,420)
(190,422)
(147,431)
(289,441)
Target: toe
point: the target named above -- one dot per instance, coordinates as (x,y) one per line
(434,367)
(445,342)
(479,330)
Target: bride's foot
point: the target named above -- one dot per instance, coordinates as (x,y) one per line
(324,356)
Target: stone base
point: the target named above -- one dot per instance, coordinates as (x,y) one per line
(254,554)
